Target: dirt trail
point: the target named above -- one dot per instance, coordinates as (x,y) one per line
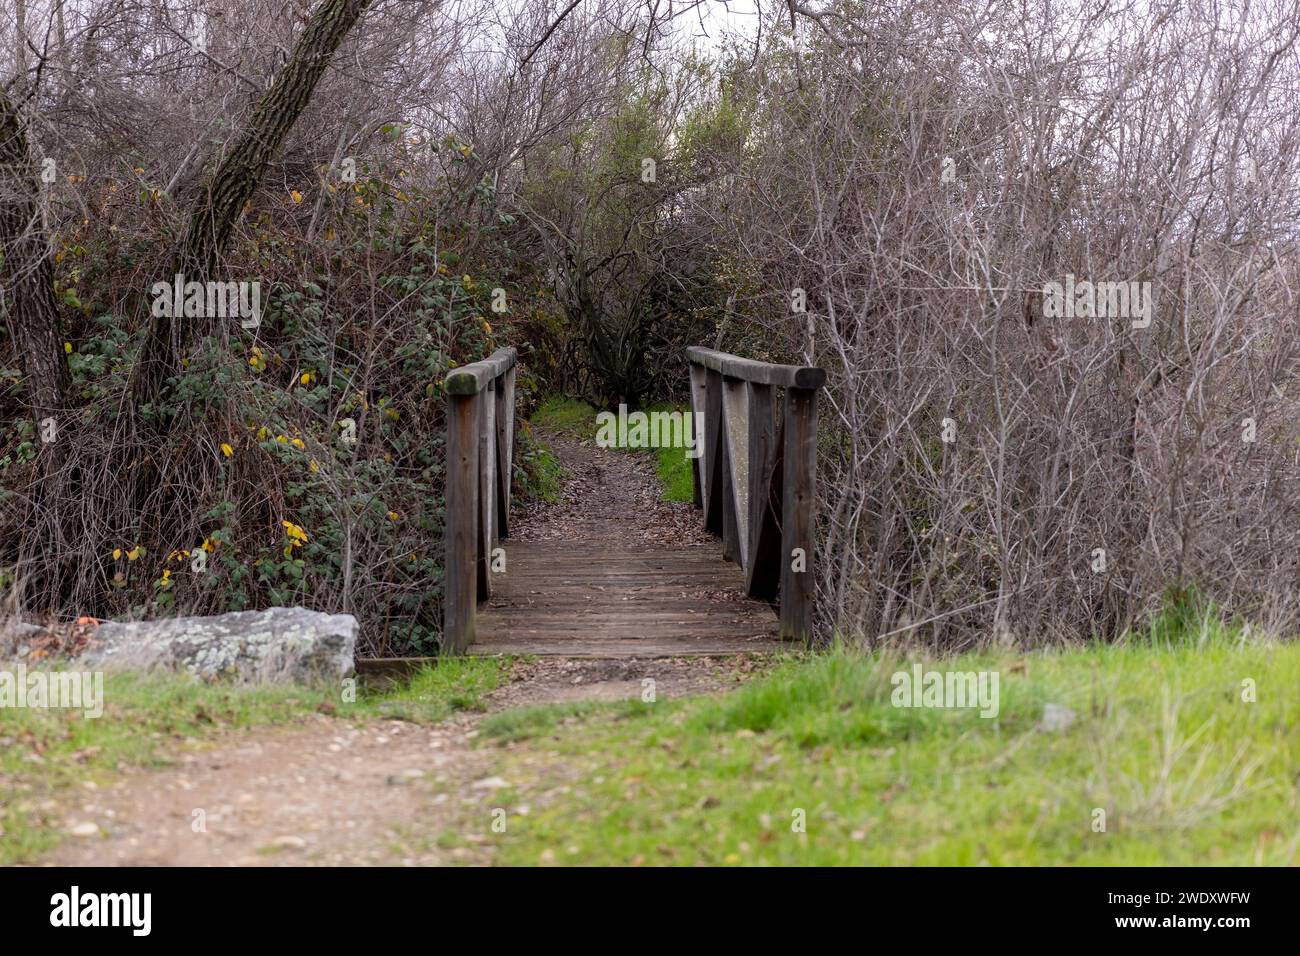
(327,791)
(606,492)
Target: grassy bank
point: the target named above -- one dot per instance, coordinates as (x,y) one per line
(578,420)
(1158,739)
(46,755)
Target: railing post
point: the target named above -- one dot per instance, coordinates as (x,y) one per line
(764,559)
(487,497)
(461,530)
(699,416)
(798,585)
(714,475)
(735,436)
(505,418)
(480,448)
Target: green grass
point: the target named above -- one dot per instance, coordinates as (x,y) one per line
(578,419)
(528,723)
(568,415)
(673,467)
(538,473)
(47,755)
(1162,742)
(436,691)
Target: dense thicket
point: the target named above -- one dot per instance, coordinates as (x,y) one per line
(917,174)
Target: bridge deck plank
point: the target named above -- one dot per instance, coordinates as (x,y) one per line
(597,598)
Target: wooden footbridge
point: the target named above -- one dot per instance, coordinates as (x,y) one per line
(603,596)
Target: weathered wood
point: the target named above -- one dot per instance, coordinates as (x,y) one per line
(480,449)
(798,586)
(601,597)
(473,378)
(699,402)
(487,475)
(735,432)
(763,561)
(461,528)
(755,479)
(762,373)
(713,452)
(759,489)
(505,421)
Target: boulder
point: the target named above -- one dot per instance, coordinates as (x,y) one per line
(280,644)
(15,635)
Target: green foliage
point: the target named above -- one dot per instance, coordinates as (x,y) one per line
(539,476)
(607,196)
(360,328)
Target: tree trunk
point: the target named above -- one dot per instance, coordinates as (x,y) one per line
(217,212)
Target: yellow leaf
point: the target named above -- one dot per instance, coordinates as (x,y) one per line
(298,443)
(393,516)
(297,196)
(117,553)
(305,378)
(67,348)
(227,450)
(313,467)
(134,553)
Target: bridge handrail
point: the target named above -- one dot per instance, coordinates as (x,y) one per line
(756,478)
(480,453)
(761,373)
(468,379)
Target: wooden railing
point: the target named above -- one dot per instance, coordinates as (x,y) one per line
(756,478)
(480,452)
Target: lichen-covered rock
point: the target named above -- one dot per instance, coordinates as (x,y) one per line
(280,644)
(14,635)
